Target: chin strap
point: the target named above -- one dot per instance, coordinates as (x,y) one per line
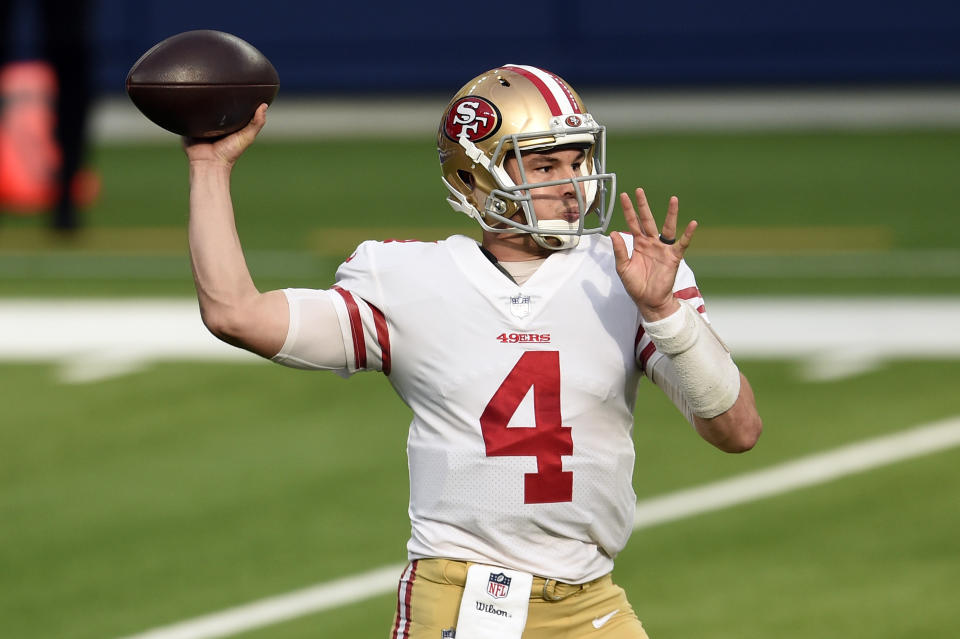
(556,242)
(475,154)
(458,201)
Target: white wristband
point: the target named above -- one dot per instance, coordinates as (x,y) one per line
(707,375)
(674,333)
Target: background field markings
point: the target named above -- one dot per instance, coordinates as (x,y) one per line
(273,610)
(837,337)
(339,242)
(782,478)
(831,338)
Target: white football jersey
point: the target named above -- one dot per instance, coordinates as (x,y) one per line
(520,449)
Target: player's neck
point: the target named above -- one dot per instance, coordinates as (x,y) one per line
(508,247)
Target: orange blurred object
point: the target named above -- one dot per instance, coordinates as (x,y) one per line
(29,155)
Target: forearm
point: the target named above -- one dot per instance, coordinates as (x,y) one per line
(220,271)
(230,304)
(698,373)
(737,429)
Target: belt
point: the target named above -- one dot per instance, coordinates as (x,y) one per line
(454,572)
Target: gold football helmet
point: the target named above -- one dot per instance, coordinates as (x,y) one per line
(502,113)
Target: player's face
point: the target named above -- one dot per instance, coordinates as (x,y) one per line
(558,202)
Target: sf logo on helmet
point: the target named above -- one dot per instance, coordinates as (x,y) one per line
(473,118)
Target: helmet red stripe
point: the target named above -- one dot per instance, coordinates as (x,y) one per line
(545,91)
(566,91)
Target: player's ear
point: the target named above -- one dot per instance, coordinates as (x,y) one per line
(467,179)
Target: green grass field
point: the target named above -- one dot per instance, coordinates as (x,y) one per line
(840,212)
(187,488)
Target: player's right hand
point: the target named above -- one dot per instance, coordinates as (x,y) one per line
(228,149)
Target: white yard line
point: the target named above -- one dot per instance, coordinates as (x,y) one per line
(265,612)
(793,475)
(93,340)
(800,473)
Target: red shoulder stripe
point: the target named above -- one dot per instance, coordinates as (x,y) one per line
(356,328)
(383,337)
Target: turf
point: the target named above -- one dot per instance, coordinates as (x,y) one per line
(901,180)
(187,488)
(838,212)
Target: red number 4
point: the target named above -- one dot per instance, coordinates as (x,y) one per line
(546,441)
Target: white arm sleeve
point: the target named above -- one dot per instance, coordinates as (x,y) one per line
(700,364)
(314,339)
(664,374)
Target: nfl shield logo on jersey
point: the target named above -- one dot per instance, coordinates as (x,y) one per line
(498,586)
(448,634)
(520,306)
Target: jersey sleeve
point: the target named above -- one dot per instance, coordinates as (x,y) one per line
(338,329)
(314,338)
(365,332)
(357,299)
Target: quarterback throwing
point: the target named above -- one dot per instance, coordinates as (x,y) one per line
(523,389)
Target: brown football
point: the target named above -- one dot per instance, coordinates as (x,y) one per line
(202,83)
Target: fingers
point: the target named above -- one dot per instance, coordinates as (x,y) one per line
(639,221)
(253,127)
(229,147)
(684,241)
(642,222)
(259,118)
(670,223)
(647,222)
(629,215)
(619,250)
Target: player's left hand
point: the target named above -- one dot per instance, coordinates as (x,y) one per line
(649,273)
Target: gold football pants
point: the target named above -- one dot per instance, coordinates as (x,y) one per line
(428,603)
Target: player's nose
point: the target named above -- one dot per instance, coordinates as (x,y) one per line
(570,187)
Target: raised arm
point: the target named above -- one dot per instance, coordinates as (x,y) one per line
(718,395)
(231,306)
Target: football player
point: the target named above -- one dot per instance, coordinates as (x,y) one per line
(519,355)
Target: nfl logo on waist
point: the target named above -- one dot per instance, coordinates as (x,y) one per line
(498,586)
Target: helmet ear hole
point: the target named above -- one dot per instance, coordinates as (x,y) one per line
(467,178)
